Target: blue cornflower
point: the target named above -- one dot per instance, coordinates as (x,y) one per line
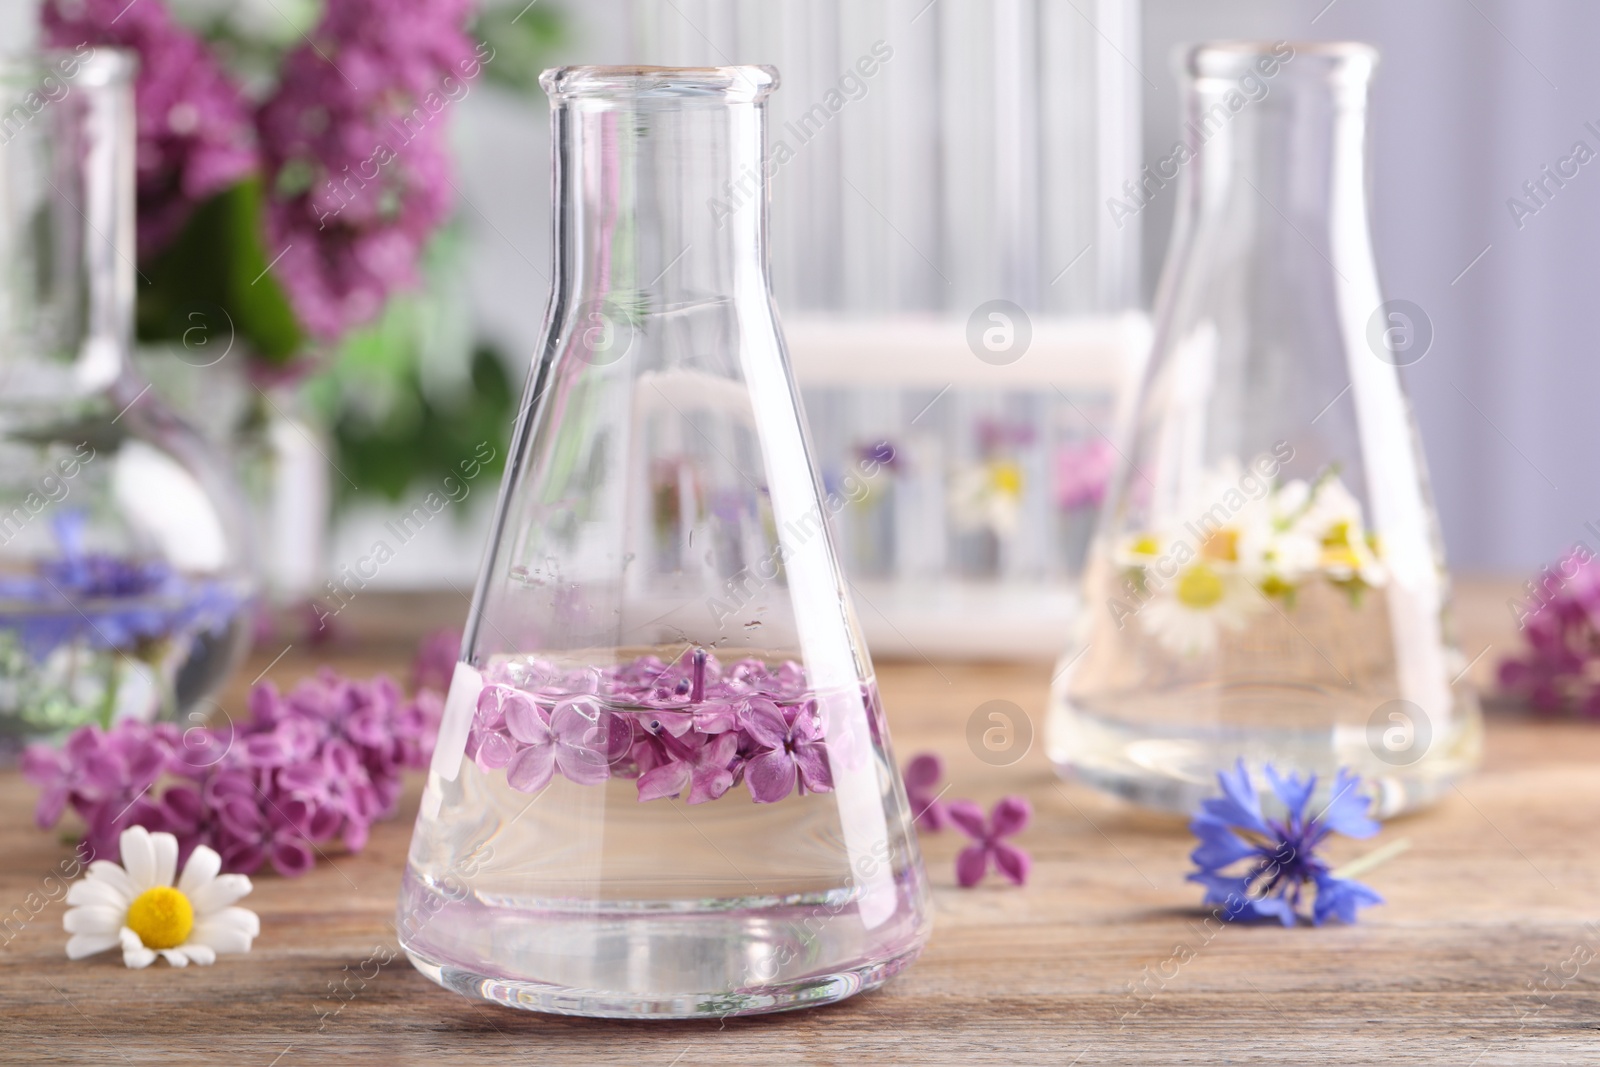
(107,601)
(1280,853)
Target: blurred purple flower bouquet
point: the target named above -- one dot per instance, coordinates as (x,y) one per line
(299,208)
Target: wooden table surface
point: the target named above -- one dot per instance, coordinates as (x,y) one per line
(1495,896)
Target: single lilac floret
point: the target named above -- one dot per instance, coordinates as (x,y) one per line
(1011,816)
(702,766)
(789,751)
(1279,854)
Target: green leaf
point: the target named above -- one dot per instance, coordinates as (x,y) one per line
(215,277)
(523,40)
(419,440)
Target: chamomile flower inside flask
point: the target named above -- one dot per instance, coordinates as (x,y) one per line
(663,785)
(1267,583)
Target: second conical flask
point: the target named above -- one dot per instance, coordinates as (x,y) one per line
(1268,583)
(663,785)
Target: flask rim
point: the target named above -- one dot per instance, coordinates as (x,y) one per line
(1341,62)
(742,84)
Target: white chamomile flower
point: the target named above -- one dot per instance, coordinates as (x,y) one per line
(1346,552)
(137,905)
(987,495)
(1350,556)
(1276,554)
(1204,598)
(1331,503)
(1291,499)
(1140,550)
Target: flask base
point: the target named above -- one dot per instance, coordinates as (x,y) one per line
(1396,795)
(1174,771)
(707,956)
(808,992)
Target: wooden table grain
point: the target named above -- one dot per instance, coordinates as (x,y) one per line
(1485,953)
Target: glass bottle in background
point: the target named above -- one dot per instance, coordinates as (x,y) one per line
(663,785)
(1267,583)
(122,588)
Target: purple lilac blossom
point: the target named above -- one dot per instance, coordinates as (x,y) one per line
(1280,854)
(879,454)
(1001,436)
(193,124)
(922,776)
(690,729)
(435,662)
(318,762)
(357,172)
(703,765)
(1011,815)
(105,778)
(1557,670)
(305,620)
(1082,471)
(108,601)
(787,752)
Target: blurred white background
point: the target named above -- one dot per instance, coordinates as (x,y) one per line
(1472,99)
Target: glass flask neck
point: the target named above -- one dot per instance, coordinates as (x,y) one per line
(67,225)
(660,186)
(1274,148)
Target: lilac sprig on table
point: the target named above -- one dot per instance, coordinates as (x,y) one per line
(319,762)
(691,728)
(1278,874)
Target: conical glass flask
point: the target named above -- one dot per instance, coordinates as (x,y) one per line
(663,785)
(124,591)
(1267,582)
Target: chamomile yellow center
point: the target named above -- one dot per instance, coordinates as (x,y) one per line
(1006,478)
(1342,556)
(1222,546)
(1273,585)
(1199,588)
(161,916)
(1145,546)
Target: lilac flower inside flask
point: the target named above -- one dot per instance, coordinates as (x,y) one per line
(663,786)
